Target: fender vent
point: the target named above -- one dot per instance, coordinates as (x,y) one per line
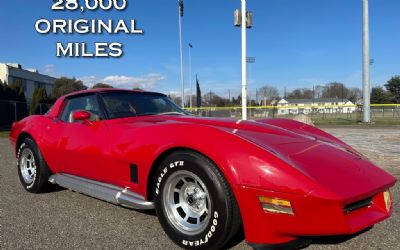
(357,205)
(134,173)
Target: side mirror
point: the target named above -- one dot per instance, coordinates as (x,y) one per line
(81,115)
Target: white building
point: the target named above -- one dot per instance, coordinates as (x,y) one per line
(323,106)
(30,78)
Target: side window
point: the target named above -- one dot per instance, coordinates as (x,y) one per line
(88,103)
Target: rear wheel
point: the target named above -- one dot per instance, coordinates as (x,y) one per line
(194,202)
(32,169)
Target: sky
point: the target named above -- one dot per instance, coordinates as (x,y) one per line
(297,43)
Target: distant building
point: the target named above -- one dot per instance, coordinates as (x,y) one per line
(30,78)
(306,106)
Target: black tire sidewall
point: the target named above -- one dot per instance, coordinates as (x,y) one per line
(217,229)
(41,175)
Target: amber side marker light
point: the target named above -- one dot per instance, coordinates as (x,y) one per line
(388,200)
(274,205)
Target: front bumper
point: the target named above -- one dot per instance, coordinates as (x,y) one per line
(313,216)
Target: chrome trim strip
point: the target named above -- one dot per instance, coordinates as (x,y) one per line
(103,191)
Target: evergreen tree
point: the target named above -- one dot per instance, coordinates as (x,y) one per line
(34,103)
(102,86)
(393,86)
(198,93)
(2,97)
(17,91)
(379,96)
(39,97)
(64,85)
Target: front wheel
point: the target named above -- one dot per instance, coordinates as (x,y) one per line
(194,202)
(32,169)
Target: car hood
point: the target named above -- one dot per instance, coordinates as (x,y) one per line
(333,165)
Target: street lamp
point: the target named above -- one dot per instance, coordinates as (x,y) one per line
(190,74)
(180,12)
(366,64)
(245,20)
(251,59)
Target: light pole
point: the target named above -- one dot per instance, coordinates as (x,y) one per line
(244,64)
(366,64)
(190,74)
(180,12)
(244,19)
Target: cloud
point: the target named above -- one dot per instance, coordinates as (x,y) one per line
(89,80)
(50,69)
(126,82)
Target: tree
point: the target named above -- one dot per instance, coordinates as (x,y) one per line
(137,89)
(198,93)
(2,97)
(379,96)
(318,91)
(335,90)
(102,86)
(301,93)
(64,85)
(39,97)
(354,94)
(176,99)
(17,91)
(267,93)
(393,86)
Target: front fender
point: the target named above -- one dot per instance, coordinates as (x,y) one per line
(241,162)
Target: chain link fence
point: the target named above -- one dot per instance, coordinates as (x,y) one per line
(11,111)
(383,113)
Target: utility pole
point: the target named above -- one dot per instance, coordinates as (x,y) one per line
(244,19)
(244,63)
(190,74)
(366,64)
(257,96)
(284,93)
(313,94)
(180,8)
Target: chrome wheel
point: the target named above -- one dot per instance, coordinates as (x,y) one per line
(187,202)
(27,166)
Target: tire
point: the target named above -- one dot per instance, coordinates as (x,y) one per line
(32,169)
(194,202)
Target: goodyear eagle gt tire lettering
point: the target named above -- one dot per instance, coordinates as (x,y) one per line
(194,202)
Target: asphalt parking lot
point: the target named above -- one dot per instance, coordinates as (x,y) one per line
(68,220)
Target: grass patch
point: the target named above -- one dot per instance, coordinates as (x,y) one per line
(4,134)
(344,122)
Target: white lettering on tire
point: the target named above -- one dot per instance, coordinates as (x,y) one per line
(208,235)
(165,171)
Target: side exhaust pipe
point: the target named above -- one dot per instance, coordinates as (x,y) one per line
(102,191)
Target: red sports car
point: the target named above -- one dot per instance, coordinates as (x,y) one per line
(279,180)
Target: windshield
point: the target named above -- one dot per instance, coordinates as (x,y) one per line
(128,104)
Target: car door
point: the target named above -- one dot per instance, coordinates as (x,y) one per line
(82,145)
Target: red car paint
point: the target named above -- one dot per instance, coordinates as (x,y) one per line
(278,158)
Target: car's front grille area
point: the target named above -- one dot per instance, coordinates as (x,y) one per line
(357,205)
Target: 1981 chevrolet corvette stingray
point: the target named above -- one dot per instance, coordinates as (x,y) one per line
(279,180)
